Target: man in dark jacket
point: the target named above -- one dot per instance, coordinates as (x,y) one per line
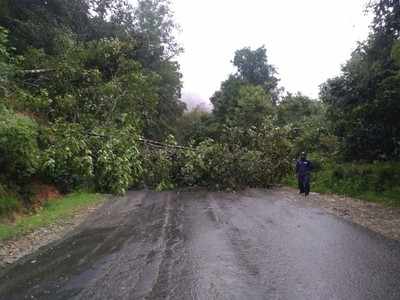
(303,171)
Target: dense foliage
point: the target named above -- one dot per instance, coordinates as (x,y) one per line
(355,142)
(247,96)
(255,157)
(88,87)
(19,149)
(80,81)
(378,182)
(86,83)
(309,129)
(363,103)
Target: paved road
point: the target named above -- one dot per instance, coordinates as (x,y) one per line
(201,245)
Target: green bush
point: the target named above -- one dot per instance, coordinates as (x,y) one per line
(6,66)
(107,159)
(378,181)
(358,178)
(116,160)
(68,158)
(19,150)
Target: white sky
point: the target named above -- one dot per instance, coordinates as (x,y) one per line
(307,41)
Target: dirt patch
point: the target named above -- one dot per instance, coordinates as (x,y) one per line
(376,217)
(14,249)
(44,193)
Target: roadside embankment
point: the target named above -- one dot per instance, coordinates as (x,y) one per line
(28,233)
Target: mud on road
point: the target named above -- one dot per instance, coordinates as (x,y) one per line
(256,244)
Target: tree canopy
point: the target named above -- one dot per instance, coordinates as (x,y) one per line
(249,95)
(90,97)
(363,103)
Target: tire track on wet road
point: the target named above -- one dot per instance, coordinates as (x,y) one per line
(254,244)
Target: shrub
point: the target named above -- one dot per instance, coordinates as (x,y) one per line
(116,160)
(107,158)
(6,66)
(358,178)
(19,150)
(68,158)
(376,181)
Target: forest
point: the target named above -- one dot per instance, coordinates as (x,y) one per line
(90,99)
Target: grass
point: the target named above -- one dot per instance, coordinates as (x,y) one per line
(51,213)
(378,183)
(9,204)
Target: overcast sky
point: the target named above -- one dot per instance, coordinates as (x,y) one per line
(307,41)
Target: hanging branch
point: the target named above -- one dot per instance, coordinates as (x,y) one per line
(37,71)
(147,142)
(156,143)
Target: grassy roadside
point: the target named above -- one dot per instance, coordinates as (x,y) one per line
(51,212)
(377,183)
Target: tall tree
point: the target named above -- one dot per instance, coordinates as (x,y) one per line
(387,16)
(253,68)
(249,95)
(155,29)
(37,23)
(6,66)
(96,45)
(363,103)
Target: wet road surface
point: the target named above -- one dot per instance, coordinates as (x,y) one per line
(201,245)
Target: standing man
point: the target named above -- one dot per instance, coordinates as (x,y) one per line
(303,172)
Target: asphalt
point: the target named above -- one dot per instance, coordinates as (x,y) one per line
(204,245)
